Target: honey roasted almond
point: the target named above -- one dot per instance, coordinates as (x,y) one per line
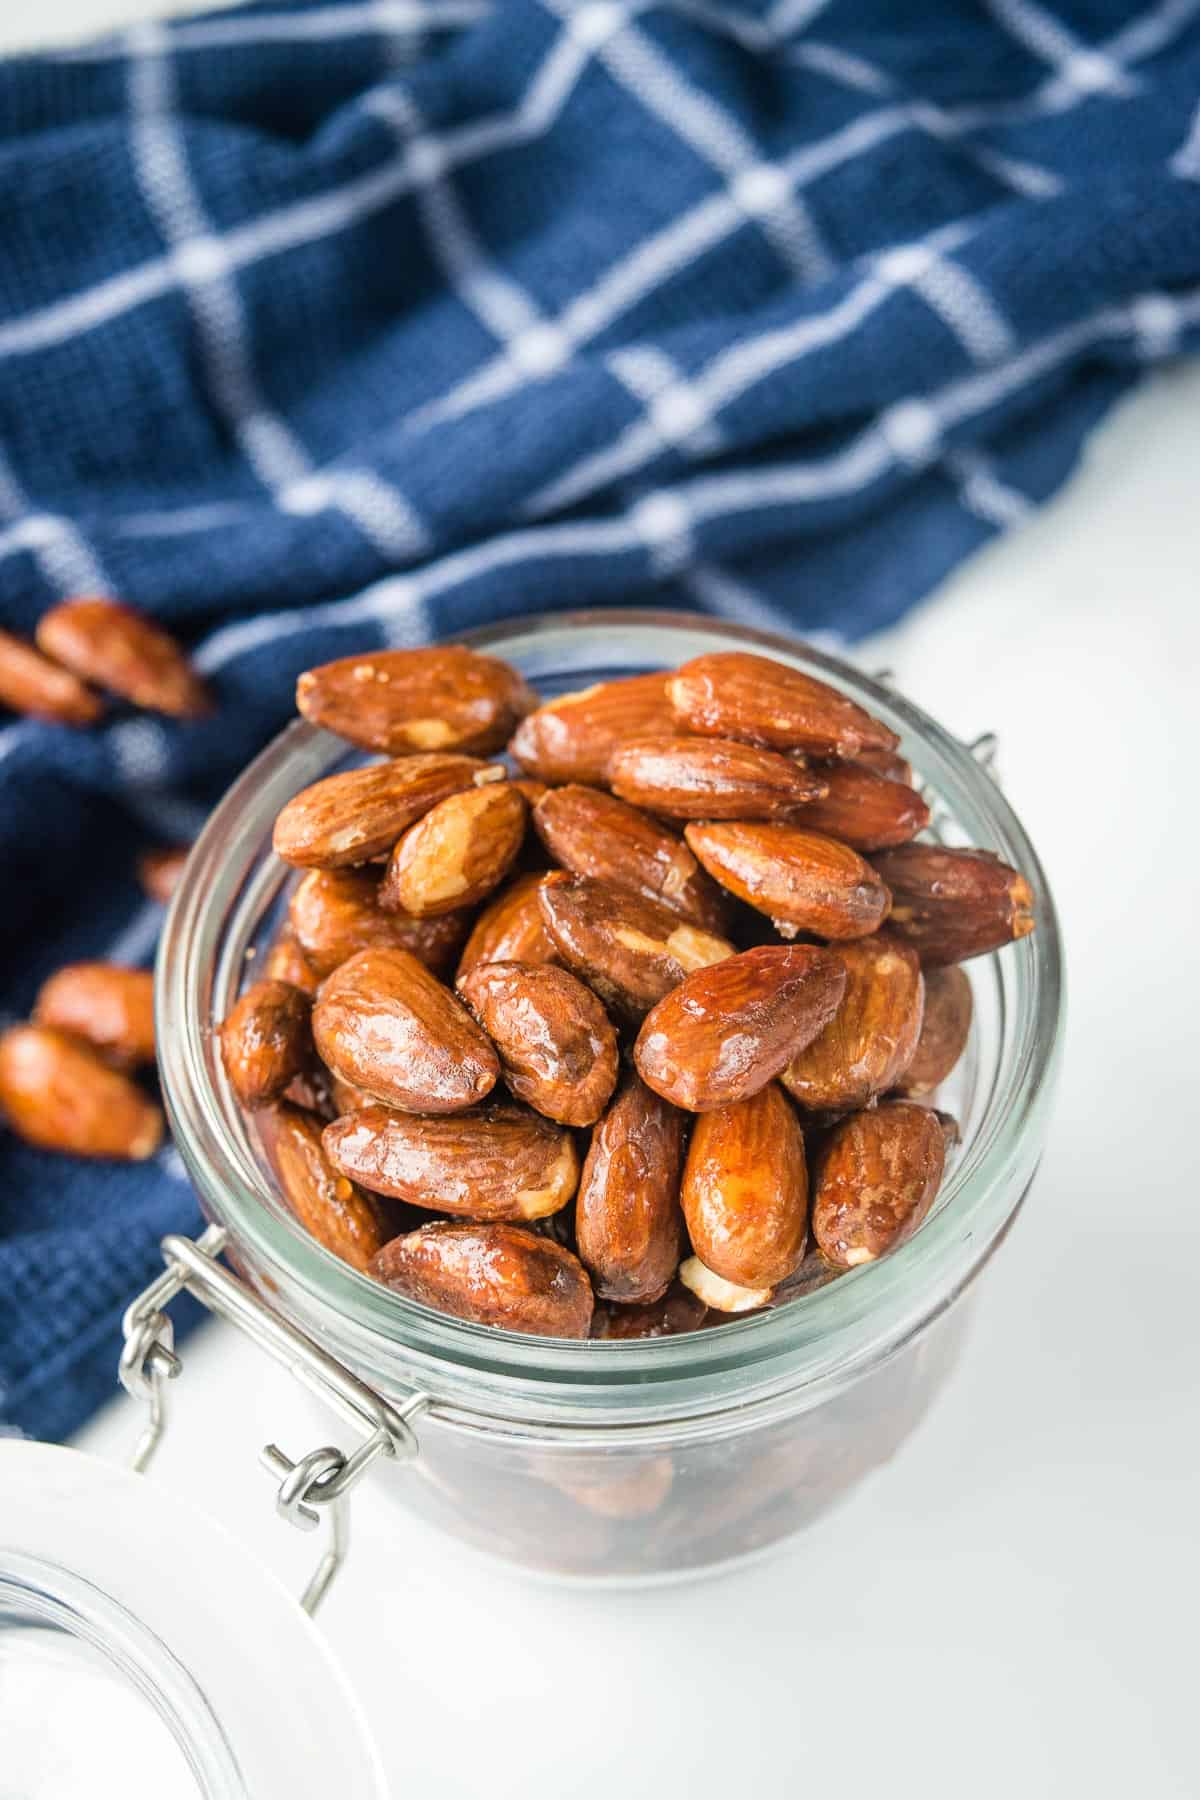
(954,904)
(725,1031)
(595,835)
(630,951)
(558,1051)
(457,853)
(735,694)
(349,1223)
(745,1190)
(866,809)
(628,1224)
(870,1040)
(266,1041)
(360,814)
(497,1162)
(115,646)
(878,1175)
(383,1023)
(571,739)
(801,879)
(491,1274)
(444,698)
(711,778)
(334,913)
(58,1094)
(111,1006)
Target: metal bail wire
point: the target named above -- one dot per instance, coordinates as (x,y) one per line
(316,1483)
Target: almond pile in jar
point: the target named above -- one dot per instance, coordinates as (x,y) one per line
(636,1030)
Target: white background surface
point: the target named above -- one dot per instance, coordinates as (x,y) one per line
(1010,1607)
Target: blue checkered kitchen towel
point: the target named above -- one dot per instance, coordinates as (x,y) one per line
(354,321)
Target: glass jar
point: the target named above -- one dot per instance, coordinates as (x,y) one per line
(625,1460)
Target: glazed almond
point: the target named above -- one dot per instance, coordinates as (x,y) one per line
(383,1023)
(595,835)
(954,904)
(878,1176)
(557,1050)
(945,1028)
(734,694)
(112,1007)
(630,951)
(745,1190)
(865,809)
(443,698)
(457,853)
(727,1030)
(510,929)
(159,871)
(571,739)
(711,778)
(349,1223)
(58,1094)
(628,1225)
(491,1274)
(499,1162)
(802,880)
(119,648)
(336,912)
(360,814)
(868,1044)
(266,1041)
(31,683)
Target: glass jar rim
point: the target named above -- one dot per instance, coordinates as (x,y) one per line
(820,1339)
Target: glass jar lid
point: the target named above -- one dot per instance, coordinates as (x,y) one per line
(143,1649)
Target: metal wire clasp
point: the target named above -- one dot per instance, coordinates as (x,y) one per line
(320,1481)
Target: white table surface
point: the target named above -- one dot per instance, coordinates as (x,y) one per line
(1009,1607)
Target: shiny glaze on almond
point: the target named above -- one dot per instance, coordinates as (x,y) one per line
(631,951)
(954,904)
(711,778)
(800,879)
(878,1175)
(359,814)
(727,1030)
(266,1041)
(445,697)
(572,738)
(558,1051)
(628,1225)
(745,1190)
(868,1044)
(593,834)
(457,853)
(498,1162)
(736,694)
(382,1022)
(351,1224)
(493,1275)
(866,809)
